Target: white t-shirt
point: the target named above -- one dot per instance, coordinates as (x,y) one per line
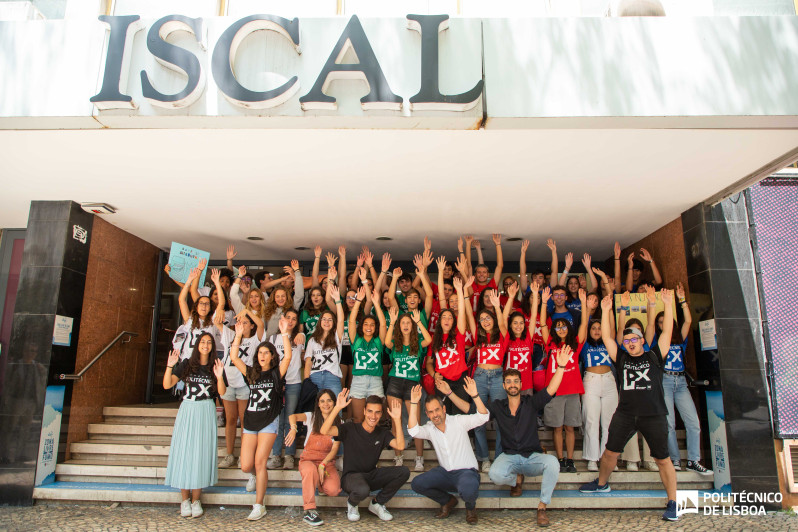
(309,425)
(325,359)
(186,337)
(294,373)
(246,352)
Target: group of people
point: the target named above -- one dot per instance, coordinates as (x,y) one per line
(543,350)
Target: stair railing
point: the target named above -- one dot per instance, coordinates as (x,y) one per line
(79,376)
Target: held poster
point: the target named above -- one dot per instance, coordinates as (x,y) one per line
(639,305)
(182,259)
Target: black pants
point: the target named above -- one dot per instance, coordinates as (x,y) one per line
(386,479)
(458,389)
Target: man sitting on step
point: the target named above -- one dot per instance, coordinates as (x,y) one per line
(516,421)
(363,444)
(457,471)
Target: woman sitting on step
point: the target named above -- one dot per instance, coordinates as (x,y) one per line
(317,463)
(265,381)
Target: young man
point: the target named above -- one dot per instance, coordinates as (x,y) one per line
(363,444)
(483,280)
(559,295)
(641,405)
(457,471)
(516,420)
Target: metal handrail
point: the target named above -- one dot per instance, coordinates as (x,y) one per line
(79,376)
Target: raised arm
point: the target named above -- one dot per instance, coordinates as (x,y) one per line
(688,317)
(234,358)
(416,317)
(314,274)
(646,256)
(664,339)
(616,255)
(606,327)
(288,348)
(231,254)
(534,304)
(605,284)
(544,303)
(235,288)
(587,262)
(630,262)
(395,413)
(512,291)
(367,301)
(555,264)
(651,314)
(369,264)
(468,242)
(393,313)
(215,275)
(622,313)
(386,265)
(415,398)
(343,400)
(195,295)
(441,263)
(299,285)
(497,274)
(397,272)
(461,320)
(563,355)
(426,260)
(478,247)
(361,295)
(342,266)
(522,266)
(170,380)
(583,325)
(185,311)
(339,312)
(569,261)
(375,298)
(501,318)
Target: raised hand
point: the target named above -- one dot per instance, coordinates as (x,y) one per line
(651,294)
(592,304)
(415,315)
(294,264)
(395,409)
(494,300)
(167,268)
(440,262)
(582,295)
(332,274)
(469,239)
(393,314)
(679,291)
(477,244)
(497,238)
(174,357)
(331,259)
(426,258)
(569,260)
(512,290)
(545,295)
(361,293)
(616,250)
(342,250)
(551,244)
(231,252)
(599,272)
(418,262)
(469,282)
(245,286)
(386,261)
(667,296)
(534,288)
(586,261)
(317,251)
(630,259)
(368,256)
(193,274)
(606,303)
(215,275)
(524,246)
(335,294)
(288,271)
(361,259)
(460,244)
(218,368)
(415,394)
(202,263)
(362,274)
(458,284)
(397,272)
(645,255)
(442,385)
(283,325)
(461,265)
(470,386)
(626,299)
(343,399)
(427,243)
(242,271)
(564,355)
(239,326)
(611,285)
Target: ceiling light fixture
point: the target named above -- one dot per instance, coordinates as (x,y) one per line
(301,248)
(254,238)
(514,239)
(384,238)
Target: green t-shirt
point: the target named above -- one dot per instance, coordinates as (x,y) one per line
(405,365)
(367,357)
(400,300)
(309,322)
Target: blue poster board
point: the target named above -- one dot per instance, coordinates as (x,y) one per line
(717,440)
(51,432)
(183,259)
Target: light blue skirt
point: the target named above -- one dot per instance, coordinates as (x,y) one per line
(193,452)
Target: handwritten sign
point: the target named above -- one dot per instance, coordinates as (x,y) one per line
(183,259)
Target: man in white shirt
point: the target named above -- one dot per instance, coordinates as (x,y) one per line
(457,471)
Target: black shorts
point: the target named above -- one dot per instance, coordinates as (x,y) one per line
(653,428)
(399,387)
(346,355)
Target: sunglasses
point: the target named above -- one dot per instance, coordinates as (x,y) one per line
(627,341)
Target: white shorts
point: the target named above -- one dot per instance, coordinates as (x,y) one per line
(232,393)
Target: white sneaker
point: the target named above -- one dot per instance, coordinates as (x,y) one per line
(288,462)
(419,463)
(258,511)
(185,508)
(592,465)
(274,462)
(677,465)
(251,482)
(651,466)
(352,513)
(399,460)
(227,461)
(196,508)
(486,466)
(380,511)
(631,466)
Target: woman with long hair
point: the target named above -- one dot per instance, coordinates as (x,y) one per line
(281,301)
(317,463)
(323,352)
(565,409)
(192,451)
(198,319)
(259,430)
(367,345)
(311,313)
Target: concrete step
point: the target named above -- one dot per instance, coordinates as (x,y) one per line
(229,495)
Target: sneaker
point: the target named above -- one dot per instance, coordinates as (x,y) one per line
(288,462)
(419,463)
(339,463)
(698,468)
(185,508)
(251,482)
(258,511)
(592,465)
(540,423)
(196,509)
(399,460)
(486,466)
(312,518)
(380,511)
(650,466)
(275,461)
(563,466)
(352,512)
(593,487)
(631,466)
(227,461)
(677,465)
(670,512)
(569,466)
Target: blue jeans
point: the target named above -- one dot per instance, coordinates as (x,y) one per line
(504,469)
(325,380)
(291,400)
(676,392)
(438,484)
(489,388)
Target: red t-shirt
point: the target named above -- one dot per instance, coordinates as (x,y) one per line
(478,288)
(571,379)
(434,314)
(519,356)
(450,361)
(516,303)
(493,353)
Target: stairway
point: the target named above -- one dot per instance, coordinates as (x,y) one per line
(124,460)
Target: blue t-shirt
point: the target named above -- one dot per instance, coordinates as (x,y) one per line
(574,304)
(573,317)
(596,355)
(675,358)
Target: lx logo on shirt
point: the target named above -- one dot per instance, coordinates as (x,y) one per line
(320,359)
(521,358)
(492,353)
(198,390)
(634,379)
(403,367)
(445,357)
(360,363)
(255,401)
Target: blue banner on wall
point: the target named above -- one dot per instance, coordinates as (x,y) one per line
(51,431)
(717,440)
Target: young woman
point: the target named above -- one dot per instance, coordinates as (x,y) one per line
(281,301)
(367,345)
(565,409)
(601,393)
(323,352)
(235,398)
(192,451)
(490,347)
(253,298)
(293,387)
(312,311)
(259,430)
(402,338)
(521,349)
(317,463)
(198,320)
(674,383)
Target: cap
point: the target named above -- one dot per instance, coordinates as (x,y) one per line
(633,330)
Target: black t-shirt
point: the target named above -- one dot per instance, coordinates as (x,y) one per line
(519,432)
(200,385)
(265,399)
(362,449)
(641,383)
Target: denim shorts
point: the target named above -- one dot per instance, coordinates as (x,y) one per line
(365,385)
(271,428)
(232,393)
